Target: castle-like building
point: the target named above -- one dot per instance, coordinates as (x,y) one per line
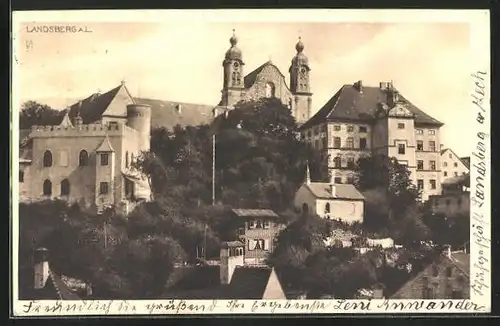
(363,120)
(266,81)
(88,158)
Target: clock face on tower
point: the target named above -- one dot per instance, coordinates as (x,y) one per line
(236,64)
(303,71)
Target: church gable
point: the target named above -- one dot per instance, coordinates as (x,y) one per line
(267,81)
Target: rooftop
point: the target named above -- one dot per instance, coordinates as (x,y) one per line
(351,104)
(203,282)
(342,191)
(254,213)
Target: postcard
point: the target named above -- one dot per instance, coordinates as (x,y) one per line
(176,162)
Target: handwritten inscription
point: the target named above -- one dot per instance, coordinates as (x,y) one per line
(179,307)
(480,268)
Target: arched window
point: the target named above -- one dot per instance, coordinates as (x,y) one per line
(270,90)
(305,208)
(327,208)
(132,158)
(47,158)
(83,158)
(65,187)
(126,159)
(47,188)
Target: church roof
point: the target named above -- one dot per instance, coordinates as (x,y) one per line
(250,79)
(105,146)
(350,104)
(342,191)
(168,114)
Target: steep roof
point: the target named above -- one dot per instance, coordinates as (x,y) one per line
(254,213)
(250,78)
(168,114)
(350,104)
(55,288)
(247,282)
(105,146)
(92,108)
(342,191)
(466,161)
(459,259)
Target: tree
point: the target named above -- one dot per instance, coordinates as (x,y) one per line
(149,165)
(303,237)
(392,200)
(33,113)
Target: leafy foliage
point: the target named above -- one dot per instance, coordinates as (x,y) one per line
(33,113)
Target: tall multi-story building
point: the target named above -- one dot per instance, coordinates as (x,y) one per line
(89,161)
(266,81)
(362,120)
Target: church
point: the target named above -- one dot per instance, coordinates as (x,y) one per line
(266,81)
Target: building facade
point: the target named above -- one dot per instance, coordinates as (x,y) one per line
(446,278)
(257,229)
(452,165)
(90,163)
(454,199)
(266,81)
(341,202)
(360,120)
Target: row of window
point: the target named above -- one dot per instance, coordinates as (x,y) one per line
(421,131)
(445,164)
(432,165)
(258,224)
(431,148)
(349,143)
(65,188)
(258,244)
(337,162)
(349,180)
(350,128)
(420,184)
(83,158)
(445,173)
(448,202)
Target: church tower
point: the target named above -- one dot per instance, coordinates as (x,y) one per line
(233,87)
(300,85)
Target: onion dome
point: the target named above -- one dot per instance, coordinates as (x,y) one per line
(300,58)
(234,53)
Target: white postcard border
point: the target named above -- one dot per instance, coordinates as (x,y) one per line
(480,301)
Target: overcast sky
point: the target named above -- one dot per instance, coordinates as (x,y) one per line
(182,61)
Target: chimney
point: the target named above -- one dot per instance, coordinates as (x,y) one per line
(383,85)
(448,251)
(231,255)
(359,86)
(332,190)
(178,108)
(41,267)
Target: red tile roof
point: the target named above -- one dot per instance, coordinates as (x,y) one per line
(350,104)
